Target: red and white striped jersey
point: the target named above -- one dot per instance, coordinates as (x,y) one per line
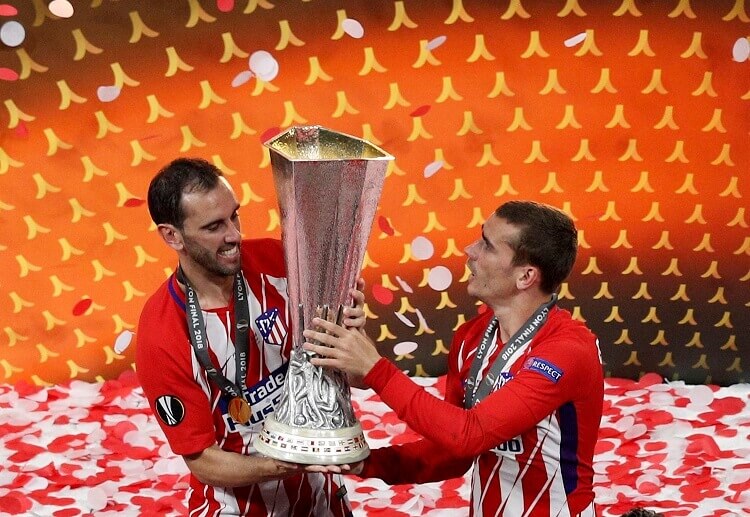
(531,440)
(192,410)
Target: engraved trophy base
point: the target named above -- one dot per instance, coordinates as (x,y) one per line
(312,446)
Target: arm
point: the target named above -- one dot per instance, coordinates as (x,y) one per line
(504,414)
(217,467)
(422,461)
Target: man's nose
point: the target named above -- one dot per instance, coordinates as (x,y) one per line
(469,250)
(233,234)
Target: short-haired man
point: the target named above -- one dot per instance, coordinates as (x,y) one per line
(213,344)
(524,387)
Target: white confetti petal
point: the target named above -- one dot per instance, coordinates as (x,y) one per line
(263,65)
(439,278)
(271,74)
(406,287)
(432,168)
(123,341)
(96,499)
(107,93)
(435,43)
(241,78)
(405,347)
(61,8)
(12,33)
(575,40)
(635,431)
(404,320)
(422,248)
(353,28)
(741,50)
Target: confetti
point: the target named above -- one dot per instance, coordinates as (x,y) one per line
(241,78)
(406,321)
(435,43)
(575,40)
(422,248)
(61,8)
(123,341)
(97,447)
(263,65)
(107,93)
(8,10)
(6,74)
(82,306)
(225,6)
(741,50)
(12,33)
(440,278)
(432,168)
(382,294)
(353,28)
(405,347)
(385,226)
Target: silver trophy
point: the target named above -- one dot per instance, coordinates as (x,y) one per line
(328,186)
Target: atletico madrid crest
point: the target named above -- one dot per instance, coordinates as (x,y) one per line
(271,327)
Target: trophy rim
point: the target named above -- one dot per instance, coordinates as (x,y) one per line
(385,156)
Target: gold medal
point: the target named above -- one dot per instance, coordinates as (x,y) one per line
(239,410)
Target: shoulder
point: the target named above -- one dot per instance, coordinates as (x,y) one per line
(263,256)
(568,343)
(161,316)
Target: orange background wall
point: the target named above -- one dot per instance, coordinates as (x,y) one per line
(640,132)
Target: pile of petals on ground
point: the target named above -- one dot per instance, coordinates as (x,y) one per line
(83,449)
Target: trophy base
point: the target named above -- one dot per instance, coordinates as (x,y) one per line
(311,446)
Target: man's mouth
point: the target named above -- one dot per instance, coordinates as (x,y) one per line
(230,253)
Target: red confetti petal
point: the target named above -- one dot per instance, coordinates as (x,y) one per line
(8,10)
(382,294)
(422,110)
(15,503)
(133,201)
(82,306)
(22,130)
(385,226)
(225,5)
(269,134)
(6,74)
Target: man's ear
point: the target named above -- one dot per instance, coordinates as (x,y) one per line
(171,236)
(530,276)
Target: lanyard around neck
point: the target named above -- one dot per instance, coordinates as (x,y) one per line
(476,390)
(199,338)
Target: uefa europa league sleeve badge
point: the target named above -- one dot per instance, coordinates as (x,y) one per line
(328,185)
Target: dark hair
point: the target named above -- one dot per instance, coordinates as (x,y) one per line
(641,512)
(547,239)
(179,177)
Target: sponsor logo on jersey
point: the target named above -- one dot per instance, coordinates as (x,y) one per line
(271,327)
(170,409)
(262,396)
(549,370)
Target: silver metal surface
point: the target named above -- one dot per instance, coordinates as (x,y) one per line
(328,185)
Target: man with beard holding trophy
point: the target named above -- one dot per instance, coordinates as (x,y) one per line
(213,349)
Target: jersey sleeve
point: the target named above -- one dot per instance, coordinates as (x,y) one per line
(164,368)
(422,461)
(504,414)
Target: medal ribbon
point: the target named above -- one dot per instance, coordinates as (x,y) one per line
(476,390)
(199,339)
